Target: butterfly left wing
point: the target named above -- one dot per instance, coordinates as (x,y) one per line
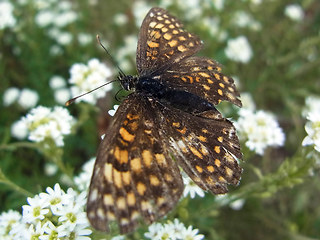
(134,176)
(201,76)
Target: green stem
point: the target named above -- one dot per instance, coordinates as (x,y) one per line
(15,187)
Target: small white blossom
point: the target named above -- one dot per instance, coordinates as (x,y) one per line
(83,179)
(64,38)
(87,77)
(218,4)
(312,104)
(312,128)
(238,204)
(43,123)
(243,19)
(113,111)
(7,222)
(57,82)
(84,38)
(172,231)
(10,96)
(7,19)
(190,188)
(65,18)
(239,49)
(120,19)
(19,129)
(294,12)
(50,169)
(28,98)
(36,210)
(260,129)
(62,95)
(44,18)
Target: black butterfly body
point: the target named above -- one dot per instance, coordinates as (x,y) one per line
(169,119)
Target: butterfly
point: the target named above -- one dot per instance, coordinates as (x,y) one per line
(167,122)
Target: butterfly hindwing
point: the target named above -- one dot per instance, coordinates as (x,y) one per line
(205,146)
(134,177)
(162,41)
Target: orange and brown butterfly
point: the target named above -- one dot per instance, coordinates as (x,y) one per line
(169,120)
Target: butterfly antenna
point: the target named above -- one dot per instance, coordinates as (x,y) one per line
(112,59)
(73,99)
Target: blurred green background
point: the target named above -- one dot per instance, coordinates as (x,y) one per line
(281,188)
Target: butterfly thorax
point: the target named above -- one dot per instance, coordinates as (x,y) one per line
(128,82)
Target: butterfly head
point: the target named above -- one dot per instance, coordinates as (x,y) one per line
(128,82)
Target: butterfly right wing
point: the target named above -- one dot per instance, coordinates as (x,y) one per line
(162,41)
(134,176)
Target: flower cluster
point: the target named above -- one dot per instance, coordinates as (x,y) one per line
(312,127)
(87,77)
(294,12)
(260,129)
(51,215)
(43,124)
(172,231)
(26,97)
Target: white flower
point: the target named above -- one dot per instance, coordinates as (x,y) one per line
(10,96)
(190,188)
(260,129)
(83,179)
(65,18)
(28,98)
(44,123)
(120,19)
(172,231)
(243,19)
(44,18)
(64,215)
(19,129)
(36,210)
(191,234)
(312,104)
(87,77)
(62,95)
(155,231)
(294,12)
(64,38)
(57,82)
(7,222)
(113,111)
(238,204)
(50,169)
(84,38)
(239,49)
(312,128)
(6,15)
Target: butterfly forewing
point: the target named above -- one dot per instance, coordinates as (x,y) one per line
(134,176)
(162,42)
(201,76)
